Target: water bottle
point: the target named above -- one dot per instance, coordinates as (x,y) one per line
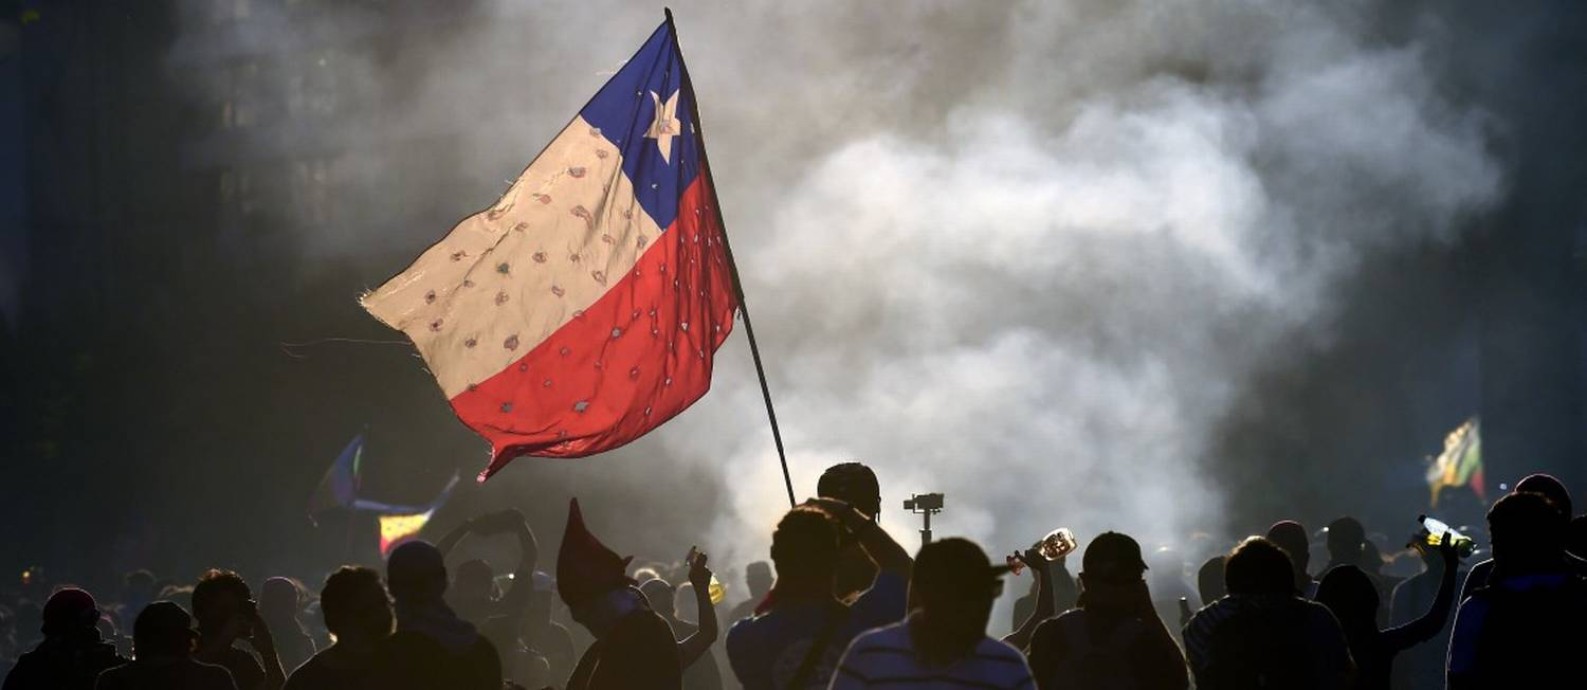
(1435,531)
(1057,544)
(718,591)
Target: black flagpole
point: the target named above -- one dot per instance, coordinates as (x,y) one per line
(738,286)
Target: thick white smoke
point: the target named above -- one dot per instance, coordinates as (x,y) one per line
(1039,288)
(1023,253)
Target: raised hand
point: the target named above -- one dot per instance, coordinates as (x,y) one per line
(699,574)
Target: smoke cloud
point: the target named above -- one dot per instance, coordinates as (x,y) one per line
(1030,254)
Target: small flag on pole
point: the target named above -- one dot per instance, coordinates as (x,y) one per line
(584,307)
(1461,462)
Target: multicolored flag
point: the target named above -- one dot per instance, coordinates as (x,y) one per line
(1461,462)
(398,528)
(583,308)
(395,529)
(339,487)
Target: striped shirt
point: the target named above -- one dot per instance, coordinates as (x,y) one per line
(885,658)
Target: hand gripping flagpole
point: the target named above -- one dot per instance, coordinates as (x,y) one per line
(738,286)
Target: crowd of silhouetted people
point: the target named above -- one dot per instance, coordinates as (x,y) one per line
(842,605)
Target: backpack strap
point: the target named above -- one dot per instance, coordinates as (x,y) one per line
(818,648)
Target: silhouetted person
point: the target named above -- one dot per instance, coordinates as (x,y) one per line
(1347,545)
(757,580)
(855,484)
(802,629)
(703,675)
(634,647)
(1042,605)
(943,642)
(1576,537)
(499,616)
(1065,593)
(432,648)
(1351,596)
(280,602)
(164,639)
(358,612)
(226,613)
(138,588)
(1291,537)
(1527,627)
(1422,666)
(72,653)
(1261,635)
(550,638)
(8,640)
(1553,490)
(1209,580)
(1116,636)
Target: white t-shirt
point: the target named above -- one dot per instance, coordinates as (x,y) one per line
(885,657)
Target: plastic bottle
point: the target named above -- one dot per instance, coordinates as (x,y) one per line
(717,590)
(1057,544)
(1435,531)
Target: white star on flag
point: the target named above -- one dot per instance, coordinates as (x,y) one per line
(666,125)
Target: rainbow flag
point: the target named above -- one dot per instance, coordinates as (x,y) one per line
(1460,464)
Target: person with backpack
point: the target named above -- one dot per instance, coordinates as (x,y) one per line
(1262,635)
(1115,639)
(1527,626)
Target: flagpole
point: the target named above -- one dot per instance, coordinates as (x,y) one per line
(738,286)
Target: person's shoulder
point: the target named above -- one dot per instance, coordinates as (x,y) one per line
(1051,629)
(990,649)
(644,622)
(114,674)
(306,675)
(752,630)
(211,675)
(233,656)
(403,641)
(894,636)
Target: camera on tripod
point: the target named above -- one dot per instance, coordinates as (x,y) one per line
(920,503)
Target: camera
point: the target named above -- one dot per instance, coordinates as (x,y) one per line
(923,502)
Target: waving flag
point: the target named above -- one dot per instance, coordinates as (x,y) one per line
(395,529)
(583,308)
(1461,462)
(339,487)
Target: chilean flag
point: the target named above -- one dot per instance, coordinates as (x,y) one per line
(584,308)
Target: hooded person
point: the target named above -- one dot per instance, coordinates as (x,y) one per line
(72,653)
(634,648)
(432,647)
